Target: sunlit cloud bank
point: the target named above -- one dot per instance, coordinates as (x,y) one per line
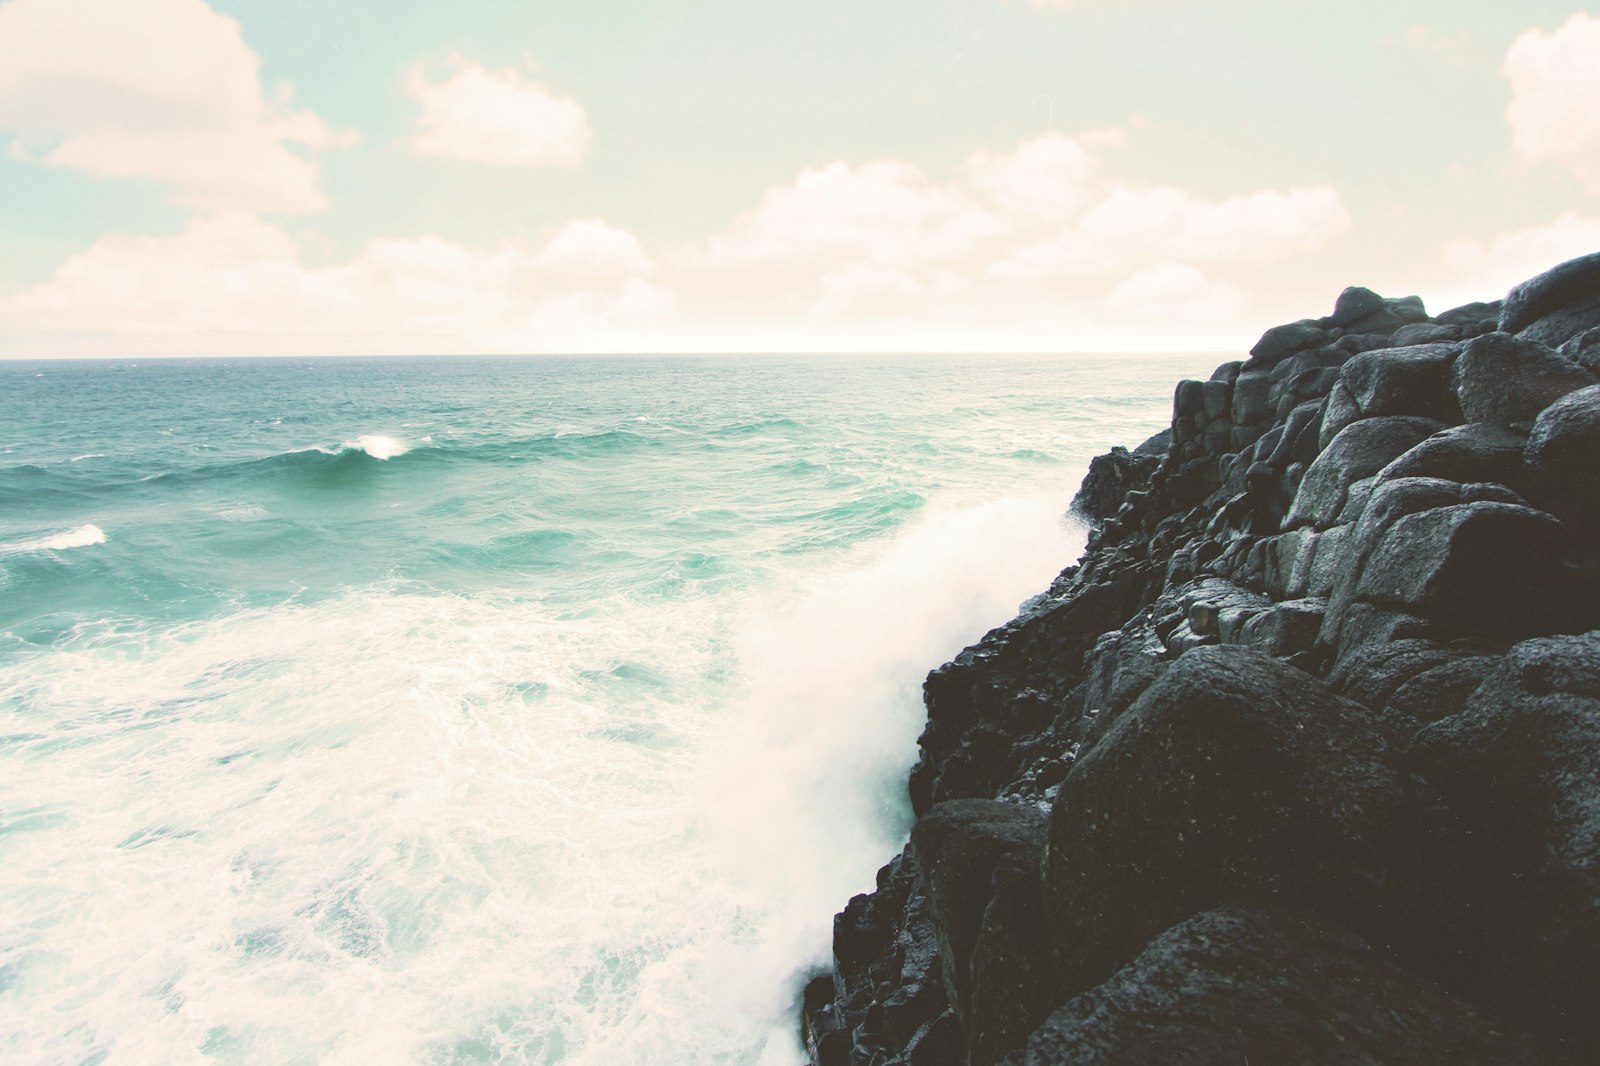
(498,117)
(164,91)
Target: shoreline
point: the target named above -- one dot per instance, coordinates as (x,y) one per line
(1302,760)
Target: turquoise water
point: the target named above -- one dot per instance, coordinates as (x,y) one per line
(458,710)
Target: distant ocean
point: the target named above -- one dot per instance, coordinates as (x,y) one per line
(488,710)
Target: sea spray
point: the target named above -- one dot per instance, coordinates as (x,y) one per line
(555,738)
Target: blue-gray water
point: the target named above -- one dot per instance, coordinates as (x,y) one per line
(455,710)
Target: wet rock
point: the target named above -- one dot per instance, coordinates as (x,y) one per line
(1109,480)
(1510,862)
(1403,381)
(1234,777)
(1476,568)
(1563,457)
(1506,379)
(1570,290)
(1280,341)
(1354,304)
(1475,452)
(1359,451)
(980,863)
(1239,985)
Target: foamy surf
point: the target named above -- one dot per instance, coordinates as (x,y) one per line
(82,537)
(540,753)
(377,446)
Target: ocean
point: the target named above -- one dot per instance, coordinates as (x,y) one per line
(489,710)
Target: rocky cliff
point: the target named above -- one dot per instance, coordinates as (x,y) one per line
(1301,762)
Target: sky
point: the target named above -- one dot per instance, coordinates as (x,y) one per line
(294,177)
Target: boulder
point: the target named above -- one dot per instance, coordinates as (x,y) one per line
(1477,451)
(1109,480)
(983,922)
(1570,291)
(1403,381)
(1563,458)
(1561,285)
(1360,450)
(1354,304)
(1234,777)
(1506,379)
(1269,986)
(1584,349)
(1509,866)
(1280,341)
(1473,568)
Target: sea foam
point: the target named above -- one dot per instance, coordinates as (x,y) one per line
(81,537)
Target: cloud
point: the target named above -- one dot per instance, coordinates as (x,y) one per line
(1487,269)
(1555,97)
(158,90)
(1176,292)
(243,284)
(593,247)
(885,212)
(1429,41)
(1035,234)
(499,117)
(1048,178)
(1128,226)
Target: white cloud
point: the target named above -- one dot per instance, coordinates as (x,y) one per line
(500,117)
(1555,97)
(591,246)
(1176,292)
(885,212)
(160,90)
(236,281)
(1048,178)
(1486,270)
(874,286)
(1130,226)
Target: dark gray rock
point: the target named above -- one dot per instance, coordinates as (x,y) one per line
(1470,315)
(1425,333)
(1506,379)
(1373,672)
(1286,629)
(1409,309)
(1341,411)
(1109,480)
(1577,281)
(1510,857)
(1354,304)
(1477,451)
(1473,568)
(1251,393)
(974,854)
(1563,457)
(1280,341)
(1403,381)
(1584,349)
(1239,985)
(1360,450)
(1234,777)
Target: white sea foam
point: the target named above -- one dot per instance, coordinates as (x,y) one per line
(91,455)
(405,828)
(81,537)
(377,445)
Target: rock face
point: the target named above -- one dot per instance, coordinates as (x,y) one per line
(1301,762)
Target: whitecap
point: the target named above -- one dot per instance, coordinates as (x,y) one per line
(377,445)
(91,455)
(82,537)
